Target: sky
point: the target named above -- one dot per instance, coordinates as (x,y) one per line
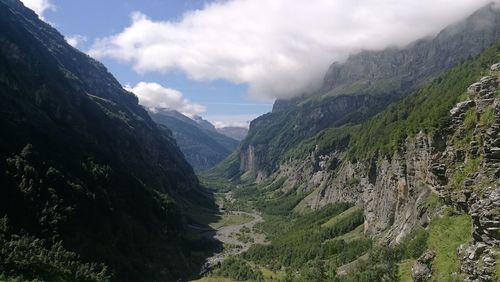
(228,60)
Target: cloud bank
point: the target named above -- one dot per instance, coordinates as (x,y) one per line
(153,96)
(39,6)
(279,48)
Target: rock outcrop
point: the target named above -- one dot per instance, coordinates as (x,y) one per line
(421,269)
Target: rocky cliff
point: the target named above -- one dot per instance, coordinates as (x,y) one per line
(457,161)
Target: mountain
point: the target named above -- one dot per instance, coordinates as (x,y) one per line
(390,172)
(91,189)
(237,133)
(198,140)
(204,123)
(410,194)
(359,88)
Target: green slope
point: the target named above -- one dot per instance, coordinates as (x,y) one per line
(85,174)
(328,244)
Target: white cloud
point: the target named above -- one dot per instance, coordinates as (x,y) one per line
(152,95)
(75,40)
(39,6)
(220,121)
(279,48)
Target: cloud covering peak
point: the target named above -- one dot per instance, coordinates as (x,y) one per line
(39,6)
(279,48)
(154,96)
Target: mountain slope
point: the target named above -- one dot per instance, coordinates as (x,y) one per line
(202,145)
(237,133)
(411,194)
(83,165)
(361,87)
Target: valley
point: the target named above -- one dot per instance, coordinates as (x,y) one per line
(386,169)
(320,228)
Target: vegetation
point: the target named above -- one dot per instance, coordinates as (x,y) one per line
(427,110)
(456,230)
(304,240)
(239,270)
(460,175)
(28,258)
(487,117)
(83,166)
(404,270)
(231,219)
(412,246)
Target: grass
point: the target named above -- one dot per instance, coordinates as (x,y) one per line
(215,279)
(356,234)
(272,275)
(334,220)
(487,117)
(445,236)
(231,219)
(470,118)
(460,175)
(432,202)
(404,270)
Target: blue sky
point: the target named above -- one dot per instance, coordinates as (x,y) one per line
(225,102)
(228,60)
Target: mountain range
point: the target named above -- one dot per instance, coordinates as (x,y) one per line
(200,142)
(389,172)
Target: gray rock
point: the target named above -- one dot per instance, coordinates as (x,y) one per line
(427,257)
(420,272)
(495,67)
(495,152)
(474,88)
(462,107)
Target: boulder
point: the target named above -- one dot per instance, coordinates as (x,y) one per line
(495,67)
(421,270)
(462,107)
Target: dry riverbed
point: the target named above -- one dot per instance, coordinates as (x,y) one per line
(236,231)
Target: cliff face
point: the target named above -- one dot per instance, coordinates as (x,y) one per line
(393,191)
(363,86)
(409,67)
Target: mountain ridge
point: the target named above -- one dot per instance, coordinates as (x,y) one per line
(200,143)
(85,172)
(292,121)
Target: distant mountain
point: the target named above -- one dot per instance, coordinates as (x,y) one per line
(86,176)
(204,123)
(198,140)
(359,88)
(238,133)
